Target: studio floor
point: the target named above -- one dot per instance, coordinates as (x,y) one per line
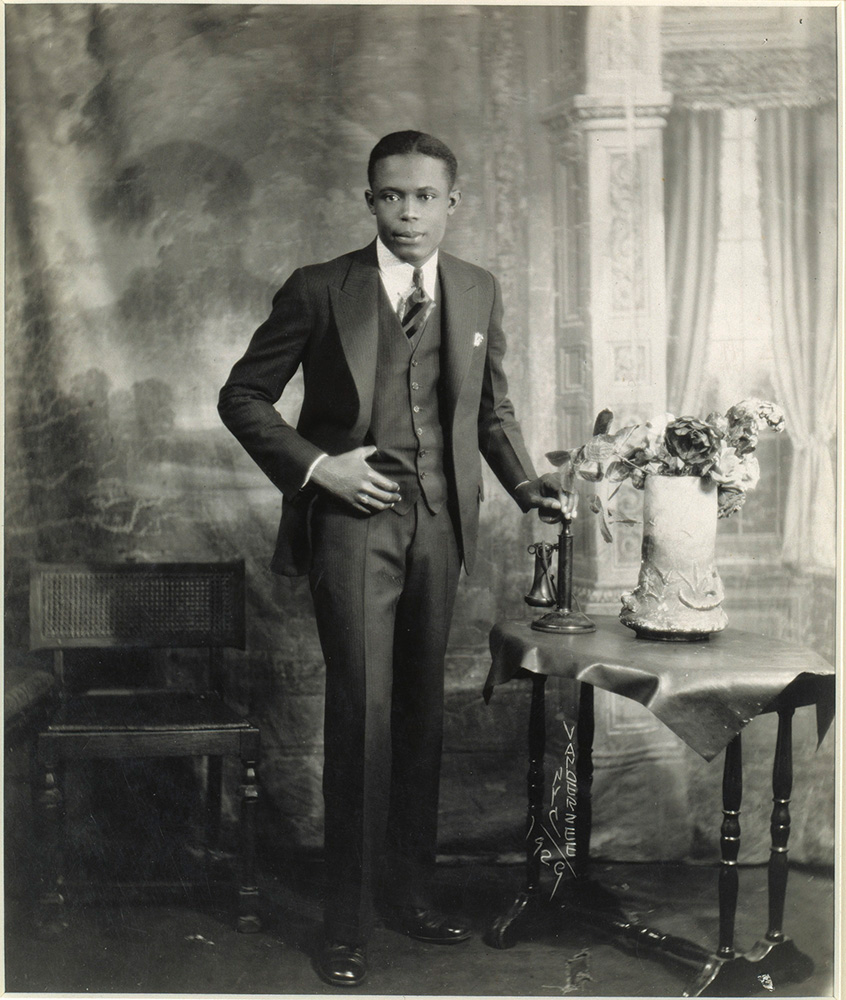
(188,946)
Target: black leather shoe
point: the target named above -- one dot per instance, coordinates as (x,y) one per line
(432,926)
(342,964)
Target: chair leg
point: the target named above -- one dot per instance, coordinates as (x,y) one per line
(51,911)
(248,919)
(214,782)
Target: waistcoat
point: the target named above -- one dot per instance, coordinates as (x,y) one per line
(405,422)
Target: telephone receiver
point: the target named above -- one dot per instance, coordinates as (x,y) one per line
(542,593)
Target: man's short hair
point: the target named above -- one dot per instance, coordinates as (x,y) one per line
(398,143)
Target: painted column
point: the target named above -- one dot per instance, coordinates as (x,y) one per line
(610,226)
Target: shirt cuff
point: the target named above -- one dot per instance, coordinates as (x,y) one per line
(514,495)
(311,469)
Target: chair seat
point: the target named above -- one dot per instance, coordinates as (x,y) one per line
(146,712)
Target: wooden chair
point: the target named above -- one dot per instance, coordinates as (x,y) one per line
(126,607)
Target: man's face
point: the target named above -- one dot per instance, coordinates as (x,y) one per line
(411,200)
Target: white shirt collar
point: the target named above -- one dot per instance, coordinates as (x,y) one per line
(397,274)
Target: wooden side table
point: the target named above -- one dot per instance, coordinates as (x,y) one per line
(705,692)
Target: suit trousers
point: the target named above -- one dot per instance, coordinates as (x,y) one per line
(383,587)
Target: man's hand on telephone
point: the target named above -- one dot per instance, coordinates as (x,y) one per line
(547,493)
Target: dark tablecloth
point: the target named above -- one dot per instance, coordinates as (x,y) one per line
(705,692)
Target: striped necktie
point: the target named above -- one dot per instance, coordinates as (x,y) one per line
(417,308)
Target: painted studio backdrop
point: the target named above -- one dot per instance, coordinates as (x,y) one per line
(626,172)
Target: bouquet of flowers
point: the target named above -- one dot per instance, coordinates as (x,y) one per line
(720,448)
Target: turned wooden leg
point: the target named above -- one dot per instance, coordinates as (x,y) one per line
(584,777)
(535,784)
(730,846)
(780,824)
(504,930)
(723,965)
(248,919)
(51,916)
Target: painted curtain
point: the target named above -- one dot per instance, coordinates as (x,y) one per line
(168,166)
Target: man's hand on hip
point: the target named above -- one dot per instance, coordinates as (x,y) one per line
(348,477)
(548,494)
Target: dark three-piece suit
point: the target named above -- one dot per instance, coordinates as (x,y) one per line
(383,584)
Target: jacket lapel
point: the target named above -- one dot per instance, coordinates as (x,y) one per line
(357,320)
(460,315)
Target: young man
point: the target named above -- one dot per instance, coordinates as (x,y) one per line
(401,347)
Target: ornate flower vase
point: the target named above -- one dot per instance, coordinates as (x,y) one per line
(679,592)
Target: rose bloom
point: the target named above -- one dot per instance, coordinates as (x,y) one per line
(745,408)
(728,467)
(743,435)
(719,421)
(729,501)
(732,470)
(763,412)
(693,441)
(773,415)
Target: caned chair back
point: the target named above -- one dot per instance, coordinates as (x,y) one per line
(97,605)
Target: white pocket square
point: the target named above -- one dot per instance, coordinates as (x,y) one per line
(478,339)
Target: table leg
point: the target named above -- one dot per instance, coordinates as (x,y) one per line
(780,824)
(248,895)
(776,959)
(730,846)
(503,930)
(583,901)
(535,784)
(588,902)
(51,916)
(777,956)
(724,967)
(584,777)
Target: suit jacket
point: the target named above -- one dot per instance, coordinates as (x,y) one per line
(325,317)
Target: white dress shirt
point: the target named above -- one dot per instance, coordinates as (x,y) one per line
(398,282)
(397,278)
